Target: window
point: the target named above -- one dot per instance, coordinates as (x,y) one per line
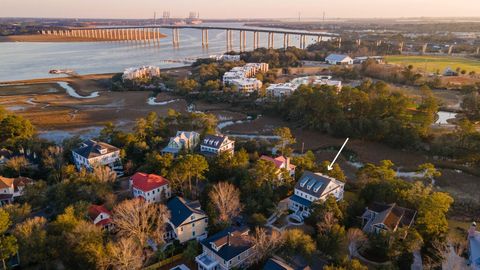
(181,229)
(193,224)
(193,233)
(193,217)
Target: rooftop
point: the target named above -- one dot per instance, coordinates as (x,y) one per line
(229,243)
(91,149)
(181,210)
(146,182)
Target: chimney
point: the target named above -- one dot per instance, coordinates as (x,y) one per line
(228,239)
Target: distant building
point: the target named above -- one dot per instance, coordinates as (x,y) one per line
(386,217)
(92,153)
(216,144)
(100,216)
(187,221)
(145,72)
(11,188)
(228,249)
(282,163)
(474,247)
(362,59)
(228,58)
(281,90)
(277,263)
(151,187)
(312,188)
(242,76)
(186,140)
(339,59)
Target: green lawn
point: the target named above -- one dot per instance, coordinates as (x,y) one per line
(436,63)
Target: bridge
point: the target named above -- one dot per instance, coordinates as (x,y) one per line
(151,33)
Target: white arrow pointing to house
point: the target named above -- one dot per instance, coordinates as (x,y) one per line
(330,167)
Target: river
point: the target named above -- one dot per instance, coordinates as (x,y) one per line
(33,60)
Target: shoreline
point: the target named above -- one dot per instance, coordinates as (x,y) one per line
(58,39)
(60,78)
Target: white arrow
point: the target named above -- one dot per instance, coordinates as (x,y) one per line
(330,167)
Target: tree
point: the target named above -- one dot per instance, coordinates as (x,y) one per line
(189,167)
(14,129)
(429,171)
(285,140)
(356,239)
(53,160)
(186,85)
(104,174)
(8,243)
(304,162)
(330,236)
(265,243)
(296,241)
(140,220)
(191,251)
(347,264)
(336,172)
(17,164)
(265,172)
(225,198)
(18,212)
(33,241)
(125,254)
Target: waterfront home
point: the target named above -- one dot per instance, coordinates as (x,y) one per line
(229,249)
(187,221)
(11,188)
(380,217)
(216,144)
(474,247)
(151,187)
(282,163)
(184,140)
(241,77)
(92,153)
(339,59)
(313,188)
(100,216)
(281,90)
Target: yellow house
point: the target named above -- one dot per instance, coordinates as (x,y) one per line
(187,221)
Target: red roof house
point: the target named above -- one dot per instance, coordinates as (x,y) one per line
(151,187)
(100,216)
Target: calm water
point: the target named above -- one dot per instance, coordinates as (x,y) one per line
(28,60)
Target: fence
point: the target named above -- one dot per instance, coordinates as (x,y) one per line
(164,262)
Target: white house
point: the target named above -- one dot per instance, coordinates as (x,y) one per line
(339,59)
(186,140)
(312,188)
(187,221)
(140,73)
(216,144)
(227,57)
(386,217)
(247,85)
(151,187)
(242,76)
(229,249)
(474,247)
(282,163)
(100,216)
(11,188)
(92,153)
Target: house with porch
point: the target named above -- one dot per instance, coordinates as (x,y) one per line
(184,140)
(313,188)
(93,153)
(187,221)
(11,188)
(228,249)
(213,145)
(100,216)
(380,217)
(151,187)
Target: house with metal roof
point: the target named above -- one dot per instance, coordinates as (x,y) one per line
(187,221)
(386,217)
(151,187)
(213,145)
(228,249)
(339,59)
(93,153)
(183,140)
(313,188)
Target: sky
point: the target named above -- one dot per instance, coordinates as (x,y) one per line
(221,9)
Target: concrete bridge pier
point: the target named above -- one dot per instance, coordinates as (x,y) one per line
(241,41)
(450,50)
(254,40)
(400,47)
(424,48)
(205,38)
(339,42)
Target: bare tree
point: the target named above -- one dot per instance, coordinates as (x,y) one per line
(355,238)
(125,254)
(265,243)
(18,164)
(53,159)
(104,174)
(225,197)
(140,220)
